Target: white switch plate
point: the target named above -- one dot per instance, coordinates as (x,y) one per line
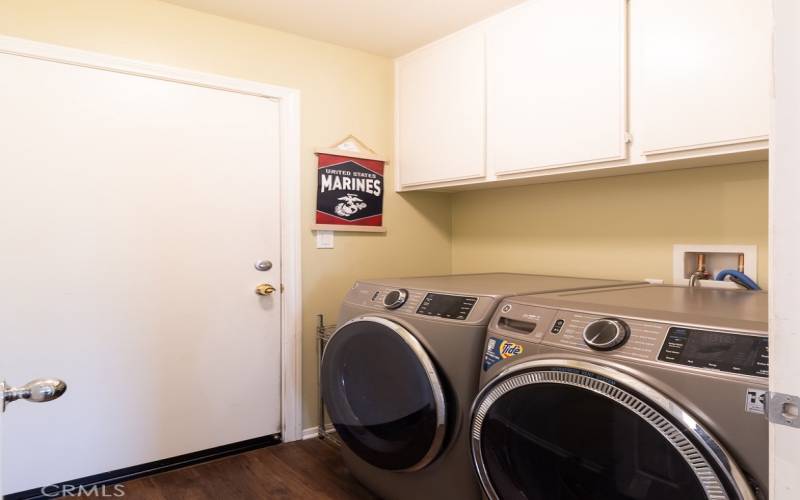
(324,239)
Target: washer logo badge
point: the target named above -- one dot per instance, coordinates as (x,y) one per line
(509,349)
(498,350)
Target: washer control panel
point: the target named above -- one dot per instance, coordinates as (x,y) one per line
(728,352)
(606,334)
(447,306)
(634,339)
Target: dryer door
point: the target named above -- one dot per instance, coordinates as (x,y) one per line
(383,394)
(562,429)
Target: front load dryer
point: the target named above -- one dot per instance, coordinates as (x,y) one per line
(650,392)
(399,374)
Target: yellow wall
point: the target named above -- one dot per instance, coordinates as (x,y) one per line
(343,91)
(617,227)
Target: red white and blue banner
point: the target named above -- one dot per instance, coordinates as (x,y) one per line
(349,191)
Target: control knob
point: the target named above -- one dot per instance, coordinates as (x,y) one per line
(395,298)
(606,334)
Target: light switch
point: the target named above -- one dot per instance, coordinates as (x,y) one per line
(324,239)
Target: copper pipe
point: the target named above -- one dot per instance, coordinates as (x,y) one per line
(701,262)
(700,273)
(741,263)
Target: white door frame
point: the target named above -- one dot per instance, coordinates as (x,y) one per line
(784,245)
(289,110)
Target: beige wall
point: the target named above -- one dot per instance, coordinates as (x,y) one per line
(617,227)
(343,91)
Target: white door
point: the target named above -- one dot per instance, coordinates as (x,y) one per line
(2,489)
(132,210)
(784,248)
(555,76)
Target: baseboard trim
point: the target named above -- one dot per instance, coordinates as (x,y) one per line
(137,471)
(313,432)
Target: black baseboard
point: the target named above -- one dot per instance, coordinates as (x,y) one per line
(129,473)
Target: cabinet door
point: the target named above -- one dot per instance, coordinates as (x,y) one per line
(705,70)
(556,85)
(440,105)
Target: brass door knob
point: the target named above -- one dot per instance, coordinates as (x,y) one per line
(265,289)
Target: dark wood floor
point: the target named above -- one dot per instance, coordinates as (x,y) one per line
(303,469)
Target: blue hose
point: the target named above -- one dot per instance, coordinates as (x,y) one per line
(739,278)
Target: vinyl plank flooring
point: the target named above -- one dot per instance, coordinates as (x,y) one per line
(308,469)
(293,478)
(326,468)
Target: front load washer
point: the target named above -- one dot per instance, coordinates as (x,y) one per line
(648,392)
(398,377)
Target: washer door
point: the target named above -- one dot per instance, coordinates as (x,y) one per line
(560,429)
(383,394)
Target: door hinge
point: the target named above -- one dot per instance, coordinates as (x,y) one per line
(784,409)
(628,138)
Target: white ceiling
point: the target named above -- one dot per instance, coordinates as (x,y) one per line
(386,27)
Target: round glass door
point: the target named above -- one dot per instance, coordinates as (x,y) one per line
(556,433)
(383,394)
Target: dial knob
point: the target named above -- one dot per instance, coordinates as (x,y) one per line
(395,298)
(606,334)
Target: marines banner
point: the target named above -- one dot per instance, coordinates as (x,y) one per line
(349,192)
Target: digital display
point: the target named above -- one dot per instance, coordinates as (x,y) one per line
(447,306)
(743,354)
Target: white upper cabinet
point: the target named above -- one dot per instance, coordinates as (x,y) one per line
(440,103)
(578,88)
(705,72)
(556,75)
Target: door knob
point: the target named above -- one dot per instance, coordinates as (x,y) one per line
(265,289)
(36,391)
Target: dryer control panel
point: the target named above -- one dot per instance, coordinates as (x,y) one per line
(427,304)
(447,306)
